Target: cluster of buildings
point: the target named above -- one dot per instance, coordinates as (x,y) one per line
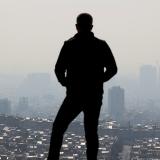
(147,148)
(29,139)
(74,147)
(18,142)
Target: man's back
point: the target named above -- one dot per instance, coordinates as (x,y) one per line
(83,58)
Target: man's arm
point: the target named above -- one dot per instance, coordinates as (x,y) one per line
(109,63)
(61,65)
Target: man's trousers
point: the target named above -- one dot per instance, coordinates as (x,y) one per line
(68,111)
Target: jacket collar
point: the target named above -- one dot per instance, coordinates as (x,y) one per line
(87,35)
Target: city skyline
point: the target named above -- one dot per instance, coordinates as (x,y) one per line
(44,94)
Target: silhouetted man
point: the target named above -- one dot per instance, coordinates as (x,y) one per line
(84,64)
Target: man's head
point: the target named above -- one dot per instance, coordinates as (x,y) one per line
(84,22)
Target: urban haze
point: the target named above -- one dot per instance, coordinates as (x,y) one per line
(32,33)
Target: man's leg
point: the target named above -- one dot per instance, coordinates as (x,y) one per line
(91,116)
(68,111)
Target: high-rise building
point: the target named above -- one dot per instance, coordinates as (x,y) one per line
(116,103)
(148,81)
(5,106)
(23,103)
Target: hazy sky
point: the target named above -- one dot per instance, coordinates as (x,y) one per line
(33,31)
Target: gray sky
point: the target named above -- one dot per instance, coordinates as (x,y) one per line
(33,31)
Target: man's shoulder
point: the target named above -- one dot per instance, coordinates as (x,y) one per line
(99,40)
(70,40)
(74,39)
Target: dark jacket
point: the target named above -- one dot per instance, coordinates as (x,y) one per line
(84,63)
